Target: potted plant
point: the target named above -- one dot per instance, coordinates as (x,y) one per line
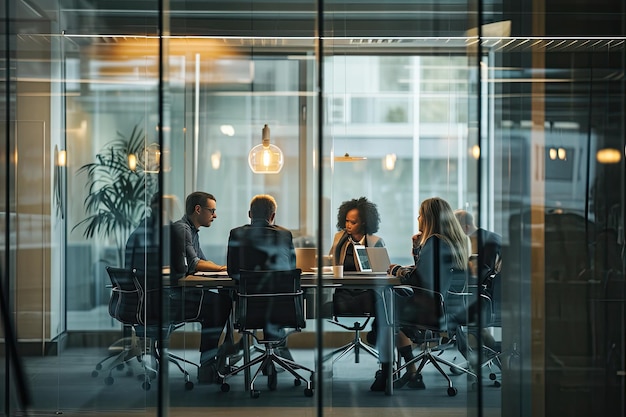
(117,194)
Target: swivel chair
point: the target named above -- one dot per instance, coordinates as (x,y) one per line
(425,310)
(124,307)
(270,297)
(134,306)
(343,309)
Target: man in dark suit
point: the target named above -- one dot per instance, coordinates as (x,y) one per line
(262,246)
(486,245)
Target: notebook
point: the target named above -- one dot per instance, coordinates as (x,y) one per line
(306,259)
(372,260)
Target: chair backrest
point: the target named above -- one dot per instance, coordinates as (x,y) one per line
(423,308)
(126,296)
(270,297)
(493,289)
(353,303)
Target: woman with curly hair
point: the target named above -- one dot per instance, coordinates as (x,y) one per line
(357,221)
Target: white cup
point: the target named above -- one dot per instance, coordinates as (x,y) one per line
(338,271)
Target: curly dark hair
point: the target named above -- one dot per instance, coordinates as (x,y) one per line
(368,214)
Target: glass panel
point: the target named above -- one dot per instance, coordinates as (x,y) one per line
(514,115)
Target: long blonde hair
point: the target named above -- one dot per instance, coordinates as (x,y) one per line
(438,219)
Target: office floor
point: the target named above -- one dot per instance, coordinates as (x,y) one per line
(64,384)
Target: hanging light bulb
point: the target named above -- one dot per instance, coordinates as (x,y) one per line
(132,162)
(475,151)
(266,158)
(216,159)
(608,156)
(389,162)
(552,153)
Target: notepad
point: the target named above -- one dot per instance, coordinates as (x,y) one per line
(211,274)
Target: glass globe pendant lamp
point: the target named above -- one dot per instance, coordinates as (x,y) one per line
(266,158)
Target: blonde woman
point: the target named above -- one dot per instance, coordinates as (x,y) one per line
(440,250)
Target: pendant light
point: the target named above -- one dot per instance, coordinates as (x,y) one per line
(266,158)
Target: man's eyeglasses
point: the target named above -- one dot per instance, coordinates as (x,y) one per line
(212,210)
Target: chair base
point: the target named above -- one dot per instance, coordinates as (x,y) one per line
(356,345)
(152,369)
(267,360)
(493,361)
(123,351)
(429,356)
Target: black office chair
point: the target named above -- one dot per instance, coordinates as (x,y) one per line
(123,307)
(424,310)
(274,297)
(347,304)
(139,308)
(492,354)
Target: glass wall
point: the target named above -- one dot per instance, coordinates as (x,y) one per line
(510,110)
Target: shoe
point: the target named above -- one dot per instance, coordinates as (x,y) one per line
(380,382)
(404,379)
(417,382)
(380,379)
(227,348)
(208,372)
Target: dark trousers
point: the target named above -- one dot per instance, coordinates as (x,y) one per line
(209,308)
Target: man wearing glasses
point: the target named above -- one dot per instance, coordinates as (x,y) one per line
(208,307)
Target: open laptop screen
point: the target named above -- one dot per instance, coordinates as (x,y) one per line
(362,258)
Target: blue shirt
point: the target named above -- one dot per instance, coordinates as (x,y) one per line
(185,230)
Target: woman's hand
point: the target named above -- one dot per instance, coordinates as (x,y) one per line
(416,238)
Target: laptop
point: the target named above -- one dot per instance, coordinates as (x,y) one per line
(306,259)
(371,260)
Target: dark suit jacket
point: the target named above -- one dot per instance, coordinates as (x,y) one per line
(260,246)
(491,246)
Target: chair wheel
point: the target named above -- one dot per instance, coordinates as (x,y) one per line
(108,380)
(452,391)
(146,385)
(120,366)
(225,387)
(94,374)
(497,384)
(297,382)
(188,385)
(255,393)
(492,376)
(99,366)
(308,392)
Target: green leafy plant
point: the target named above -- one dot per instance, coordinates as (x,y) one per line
(117,195)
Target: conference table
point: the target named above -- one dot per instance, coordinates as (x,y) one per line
(379,282)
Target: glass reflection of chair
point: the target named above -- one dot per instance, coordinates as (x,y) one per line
(123,307)
(130,305)
(344,311)
(424,310)
(270,297)
(492,354)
